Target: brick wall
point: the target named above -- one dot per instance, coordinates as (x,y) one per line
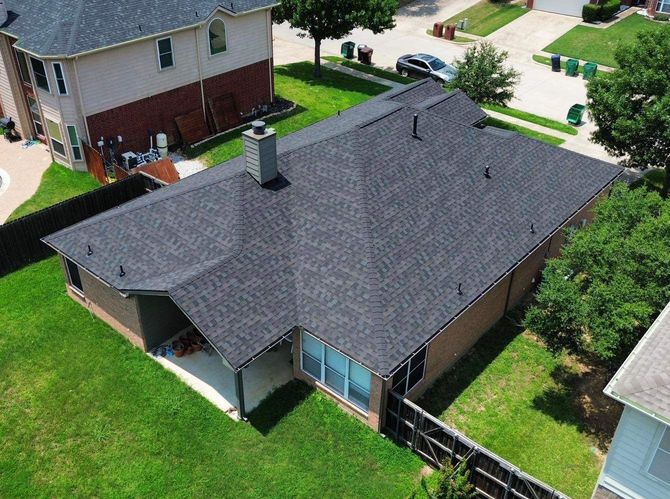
(250,85)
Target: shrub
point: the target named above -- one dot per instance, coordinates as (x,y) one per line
(661,17)
(591,12)
(609,9)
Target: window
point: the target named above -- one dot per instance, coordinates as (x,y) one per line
(217,37)
(60,78)
(56,137)
(74,142)
(23,67)
(73,277)
(165,56)
(660,463)
(40,72)
(338,372)
(410,373)
(663,6)
(35,114)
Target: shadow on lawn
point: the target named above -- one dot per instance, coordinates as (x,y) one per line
(578,400)
(279,404)
(450,385)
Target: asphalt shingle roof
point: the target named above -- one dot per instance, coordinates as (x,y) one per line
(69,27)
(362,241)
(644,378)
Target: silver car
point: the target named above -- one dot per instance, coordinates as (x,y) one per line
(424,66)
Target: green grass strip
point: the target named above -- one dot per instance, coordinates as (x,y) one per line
(371,70)
(543,137)
(547,62)
(533,118)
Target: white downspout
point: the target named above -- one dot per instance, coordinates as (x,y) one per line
(202,86)
(268,32)
(81,102)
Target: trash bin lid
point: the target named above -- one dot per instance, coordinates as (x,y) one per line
(362,46)
(365,50)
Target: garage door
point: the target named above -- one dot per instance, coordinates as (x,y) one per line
(566,7)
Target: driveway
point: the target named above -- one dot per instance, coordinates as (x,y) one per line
(21,172)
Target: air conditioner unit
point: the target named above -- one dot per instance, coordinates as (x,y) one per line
(130,160)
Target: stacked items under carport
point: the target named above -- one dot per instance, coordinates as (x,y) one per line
(188,343)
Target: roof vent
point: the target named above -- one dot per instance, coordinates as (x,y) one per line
(260,152)
(415,127)
(487,171)
(4,14)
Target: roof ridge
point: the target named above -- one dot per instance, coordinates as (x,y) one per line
(372,275)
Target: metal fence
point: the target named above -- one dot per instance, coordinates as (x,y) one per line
(493,477)
(20,243)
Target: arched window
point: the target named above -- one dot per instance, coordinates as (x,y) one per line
(217,37)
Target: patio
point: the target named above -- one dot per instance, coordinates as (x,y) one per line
(208,374)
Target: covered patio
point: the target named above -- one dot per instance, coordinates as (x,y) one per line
(235,393)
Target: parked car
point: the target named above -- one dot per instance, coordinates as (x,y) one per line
(424,66)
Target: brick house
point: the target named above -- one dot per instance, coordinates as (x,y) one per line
(382,243)
(86,70)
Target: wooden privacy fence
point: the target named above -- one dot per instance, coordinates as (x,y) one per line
(435,442)
(20,242)
(95,164)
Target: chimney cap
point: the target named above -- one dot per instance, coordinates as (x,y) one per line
(258,127)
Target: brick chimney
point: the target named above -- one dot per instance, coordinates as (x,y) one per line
(260,152)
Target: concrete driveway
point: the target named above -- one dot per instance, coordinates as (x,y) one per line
(22,171)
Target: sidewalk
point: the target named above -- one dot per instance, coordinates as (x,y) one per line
(360,74)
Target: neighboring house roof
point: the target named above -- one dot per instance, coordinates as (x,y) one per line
(363,239)
(70,27)
(643,381)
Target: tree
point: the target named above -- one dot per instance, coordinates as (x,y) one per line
(452,483)
(483,76)
(333,19)
(611,280)
(631,106)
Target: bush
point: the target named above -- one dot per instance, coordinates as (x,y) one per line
(590,12)
(661,17)
(609,9)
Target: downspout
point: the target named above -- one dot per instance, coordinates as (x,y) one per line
(239,392)
(268,32)
(81,102)
(202,86)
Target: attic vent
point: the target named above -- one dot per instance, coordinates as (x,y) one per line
(260,152)
(415,126)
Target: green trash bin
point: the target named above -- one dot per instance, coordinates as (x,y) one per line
(348,49)
(590,70)
(576,113)
(572,67)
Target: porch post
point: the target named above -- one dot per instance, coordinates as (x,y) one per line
(239,392)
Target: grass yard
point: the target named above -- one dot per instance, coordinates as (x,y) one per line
(545,414)
(371,70)
(652,180)
(543,137)
(316,100)
(84,413)
(533,118)
(58,184)
(598,45)
(486,17)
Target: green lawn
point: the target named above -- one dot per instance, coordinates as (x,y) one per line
(58,184)
(533,118)
(543,137)
(371,70)
(315,99)
(84,413)
(598,45)
(486,17)
(513,397)
(652,180)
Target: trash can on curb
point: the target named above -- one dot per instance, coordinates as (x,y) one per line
(556,63)
(590,70)
(347,50)
(365,54)
(576,113)
(572,67)
(438,30)
(449,32)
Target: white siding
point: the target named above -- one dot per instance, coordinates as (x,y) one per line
(634,445)
(9,79)
(125,74)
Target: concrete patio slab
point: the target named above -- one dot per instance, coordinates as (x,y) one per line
(22,173)
(207,375)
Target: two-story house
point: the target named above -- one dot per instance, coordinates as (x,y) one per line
(100,71)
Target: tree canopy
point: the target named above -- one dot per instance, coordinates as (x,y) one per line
(334,19)
(631,106)
(611,280)
(483,75)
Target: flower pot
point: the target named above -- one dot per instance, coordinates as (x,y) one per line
(178,348)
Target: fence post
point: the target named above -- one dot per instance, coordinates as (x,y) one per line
(415,425)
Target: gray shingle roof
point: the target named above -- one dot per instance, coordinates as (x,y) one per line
(69,27)
(364,239)
(644,378)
